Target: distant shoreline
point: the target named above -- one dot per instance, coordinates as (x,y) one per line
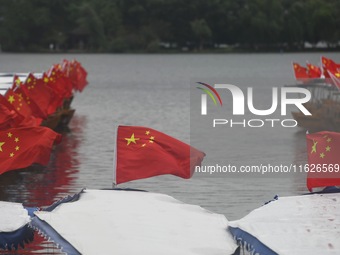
(207,51)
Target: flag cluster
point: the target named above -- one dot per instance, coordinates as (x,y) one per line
(328,70)
(30,105)
(42,100)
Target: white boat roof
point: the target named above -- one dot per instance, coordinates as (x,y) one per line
(135,222)
(308,224)
(13,216)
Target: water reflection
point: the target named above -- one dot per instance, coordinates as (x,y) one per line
(41,186)
(38,186)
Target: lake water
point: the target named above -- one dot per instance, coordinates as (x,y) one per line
(153,91)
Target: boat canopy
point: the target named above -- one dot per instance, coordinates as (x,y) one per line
(134,222)
(14,226)
(307,224)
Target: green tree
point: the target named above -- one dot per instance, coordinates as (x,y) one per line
(201,31)
(90,28)
(140,25)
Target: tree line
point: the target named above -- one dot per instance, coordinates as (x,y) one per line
(166,25)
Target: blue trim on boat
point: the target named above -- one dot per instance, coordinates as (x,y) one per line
(326,190)
(53,235)
(67,199)
(251,243)
(12,240)
(31,210)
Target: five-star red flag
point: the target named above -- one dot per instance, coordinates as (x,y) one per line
(313,71)
(300,72)
(8,115)
(58,82)
(21,147)
(37,109)
(20,106)
(143,152)
(329,66)
(323,159)
(77,74)
(41,94)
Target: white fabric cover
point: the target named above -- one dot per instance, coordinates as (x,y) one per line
(308,224)
(132,222)
(12,216)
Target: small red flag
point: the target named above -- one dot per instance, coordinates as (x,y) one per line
(57,94)
(21,147)
(143,152)
(313,71)
(77,74)
(41,94)
(330,66)
(25,93)
(300,72)
(18,103)
(8,115)
(323,159)
(57,80)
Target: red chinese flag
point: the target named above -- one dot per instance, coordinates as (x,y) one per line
(37,110)
(57,94)
(313,71)
(330,66)
(20,106)
(41,94)
(142,152)
(62,84)
(8,115)
(300,72)
(77,74)
(21,147)
(323,159)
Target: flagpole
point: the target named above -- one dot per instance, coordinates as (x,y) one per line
(114,183)
(322,70)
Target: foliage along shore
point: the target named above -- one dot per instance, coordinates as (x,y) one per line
(168,25)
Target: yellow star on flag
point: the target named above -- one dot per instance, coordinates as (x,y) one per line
(322,155)
(314,146)
(328,148)
(1,143)
(11,99)
(147,132)
(132,139)
(9,134)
